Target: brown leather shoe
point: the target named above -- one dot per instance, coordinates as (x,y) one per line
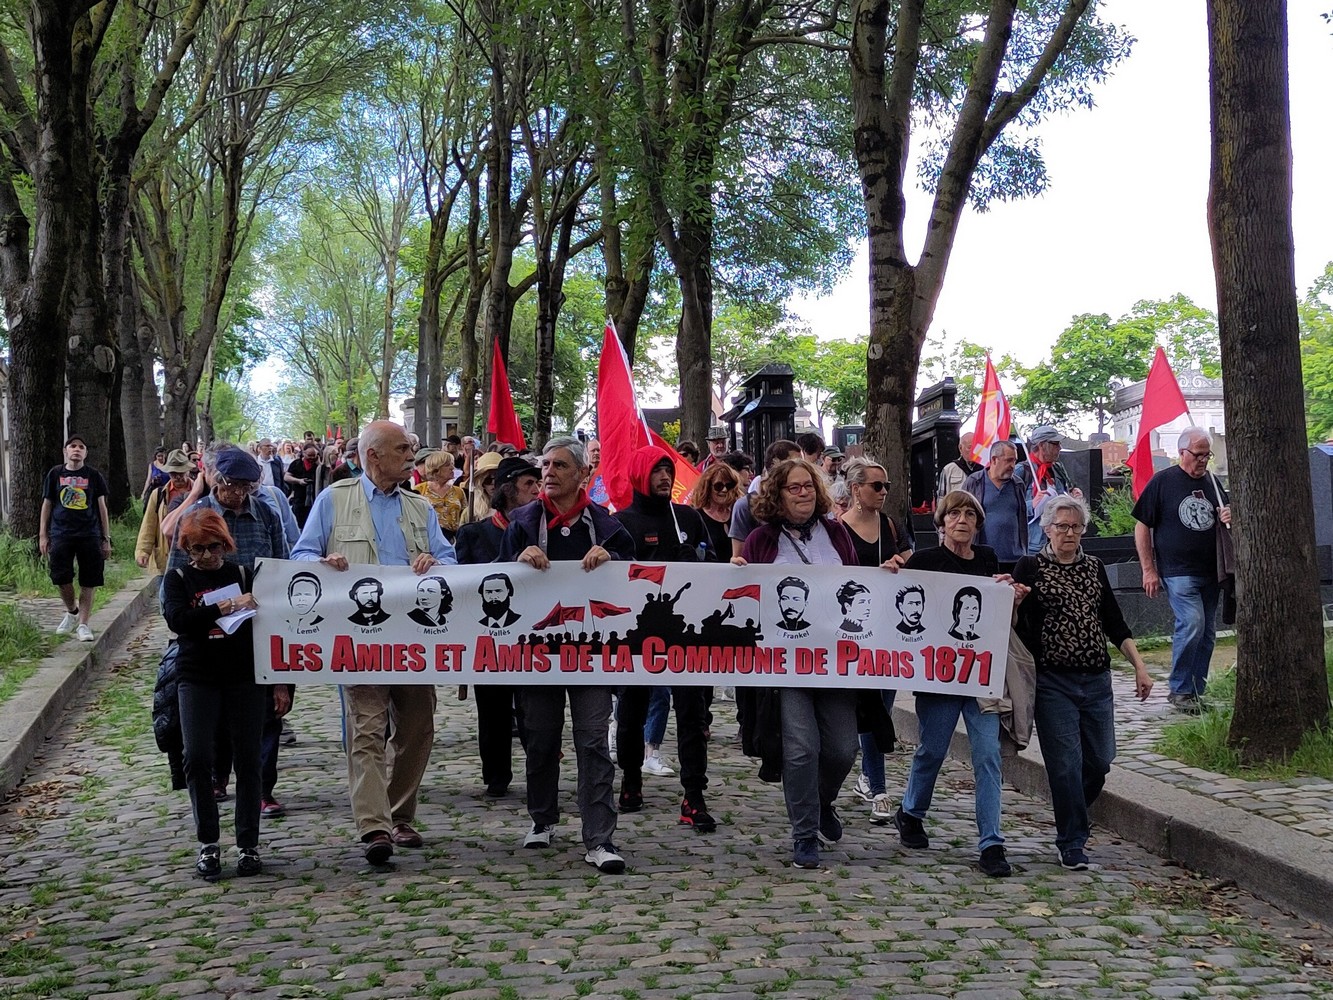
(378,848)
(405,836)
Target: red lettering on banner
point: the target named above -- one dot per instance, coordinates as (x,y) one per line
(295,656)
(658,658)
(449,656)
(491,658)
(575,659)
(811,661)
(344,654)
(902,660)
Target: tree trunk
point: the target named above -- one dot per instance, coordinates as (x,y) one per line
(429,342)
(1281,682)
(694,339)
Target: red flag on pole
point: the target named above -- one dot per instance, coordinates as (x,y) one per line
(503,420)
(653,574)
(621,428)
(992,416)
(1162,402)
(751,590)
(556,617)
(605,609)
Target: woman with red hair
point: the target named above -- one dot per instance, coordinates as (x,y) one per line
(216,681)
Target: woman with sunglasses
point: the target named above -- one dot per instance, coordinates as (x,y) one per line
(713,496)
(877,538)
(216,681)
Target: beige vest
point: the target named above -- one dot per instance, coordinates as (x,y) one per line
(353,531)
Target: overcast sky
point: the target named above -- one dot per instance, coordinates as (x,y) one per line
(1124,218)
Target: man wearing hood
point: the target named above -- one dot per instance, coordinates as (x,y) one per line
(664,532)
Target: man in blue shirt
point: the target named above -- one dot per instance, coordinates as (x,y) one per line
(377,522)
(1001,497)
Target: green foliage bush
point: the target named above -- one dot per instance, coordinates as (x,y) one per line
(1117,513)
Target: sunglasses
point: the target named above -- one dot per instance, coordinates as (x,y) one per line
(721,487)
(878,487)
(212,548)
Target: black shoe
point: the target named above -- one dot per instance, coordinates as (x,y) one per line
(993,862)
(911,831)
(378,847)
(830,825)
(249,863)
(178,782)
(805,853)
(1074,860)
(209,865)
(631,800)
(497,790)
(694,813)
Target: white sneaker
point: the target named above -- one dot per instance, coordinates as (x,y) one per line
(67,623)
(862,788)
(84,634)
(653,764)
(540,836)
(881,808)
(605,859)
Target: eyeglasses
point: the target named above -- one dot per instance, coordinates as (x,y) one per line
(723,487)
(1202,456)
(212,548)
(966,512)
(237,485)
(799,488)
(1069,529)
(878,487)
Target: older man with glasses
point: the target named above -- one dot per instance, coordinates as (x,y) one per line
(1176,537)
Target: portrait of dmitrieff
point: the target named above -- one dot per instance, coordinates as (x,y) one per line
(497,591)
(911,605)
(434,601)
(966,614)
(854,604)
(368,594)
(793,595)
(303,593)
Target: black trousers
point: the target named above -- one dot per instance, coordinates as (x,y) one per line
(691,722)
(241,707)
(498,713)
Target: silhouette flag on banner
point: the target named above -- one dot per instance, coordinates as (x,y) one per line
(605,609)
(735,592)
(653,574)
(992,416)
(503,420)
(1162,402)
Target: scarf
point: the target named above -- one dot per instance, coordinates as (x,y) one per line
(803,529)
(499,520)
(556,519)
(1043,475)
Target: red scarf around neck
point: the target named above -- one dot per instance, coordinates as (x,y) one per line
(555,519)
(499,520)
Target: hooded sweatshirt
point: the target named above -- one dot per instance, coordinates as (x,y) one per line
(649,519)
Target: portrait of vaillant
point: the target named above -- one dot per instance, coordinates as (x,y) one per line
(854,605)
(434,602)
(911,605)
(368,593)
(966,614)
(497,591)
(303,593)
(793,595)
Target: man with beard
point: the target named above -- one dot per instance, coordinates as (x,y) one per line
(911,603)
(516,483)
(793,593)
(663,532)
(368,593)
(496,591)
(563,524)
(371,520)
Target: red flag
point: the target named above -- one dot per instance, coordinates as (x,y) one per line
(503,421)
(1162,402)
(653,574)
(556,617)
(621,428)
(571,615)
(605,609)
(749,591)
(992,416)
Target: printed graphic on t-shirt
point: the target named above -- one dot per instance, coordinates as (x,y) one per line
(74,492)
(1196,513)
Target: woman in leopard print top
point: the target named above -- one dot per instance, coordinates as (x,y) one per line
(1066,622)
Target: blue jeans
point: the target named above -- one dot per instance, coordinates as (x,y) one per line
(818,748)
(654,727)
(938,715)
(1194,603)
(872,757)
(1075,716)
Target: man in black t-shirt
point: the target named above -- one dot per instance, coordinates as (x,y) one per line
(75,527)
(1176,537)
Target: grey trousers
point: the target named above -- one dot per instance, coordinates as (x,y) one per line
(818,747)
(544,718)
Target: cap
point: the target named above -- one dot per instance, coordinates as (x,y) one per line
(510,469)
(75,437)
(177,461)
(423,454)
(233,463)
(717,433)
(833,453)
(1044,433)
(487,462)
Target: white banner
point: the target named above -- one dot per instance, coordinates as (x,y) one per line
(632,623)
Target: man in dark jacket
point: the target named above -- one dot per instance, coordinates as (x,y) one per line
(563,524)
(663,532)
